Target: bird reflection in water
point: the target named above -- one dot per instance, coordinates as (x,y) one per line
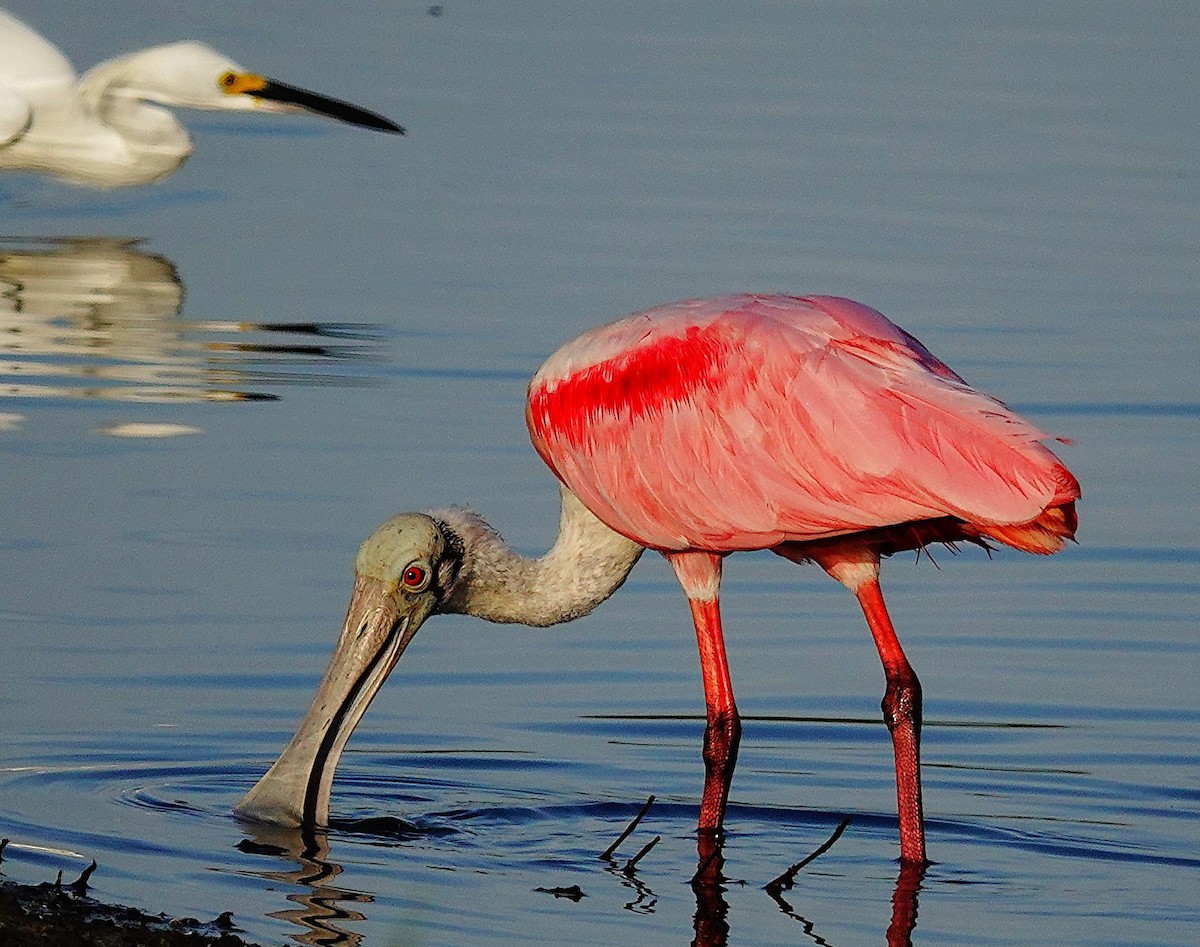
(99,318)
(904,909)
(709,884)
(322,907)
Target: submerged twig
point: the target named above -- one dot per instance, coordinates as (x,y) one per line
(80,884)
(224,922)
(631,865)
(607,853)
(574,892)
(788,878)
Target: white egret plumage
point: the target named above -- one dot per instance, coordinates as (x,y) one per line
(112,127)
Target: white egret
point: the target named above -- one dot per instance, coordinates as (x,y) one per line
(110,128)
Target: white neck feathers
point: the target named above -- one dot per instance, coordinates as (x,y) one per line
(587,563)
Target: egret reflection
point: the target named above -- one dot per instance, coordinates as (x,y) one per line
(112,127)
(100,318)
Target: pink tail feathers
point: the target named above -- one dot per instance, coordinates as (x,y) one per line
(1051,529)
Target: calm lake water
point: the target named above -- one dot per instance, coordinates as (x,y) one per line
(328,326)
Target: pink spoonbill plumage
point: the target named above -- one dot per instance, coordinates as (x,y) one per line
(809,426)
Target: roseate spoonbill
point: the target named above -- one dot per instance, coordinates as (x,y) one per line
(110,129)
(812,427)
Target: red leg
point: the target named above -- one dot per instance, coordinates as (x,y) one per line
(724,729)
(700,576)
(902,714)
(858,569)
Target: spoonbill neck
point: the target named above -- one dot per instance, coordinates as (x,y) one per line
(587,563)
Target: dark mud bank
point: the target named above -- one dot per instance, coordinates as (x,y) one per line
(54,915)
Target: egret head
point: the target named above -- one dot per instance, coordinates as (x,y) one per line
(403,573)
(192,75)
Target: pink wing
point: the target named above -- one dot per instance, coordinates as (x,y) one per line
(747,421)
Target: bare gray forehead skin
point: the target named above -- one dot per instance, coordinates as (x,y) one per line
(396,544)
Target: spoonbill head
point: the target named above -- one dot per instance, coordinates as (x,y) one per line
(401,574)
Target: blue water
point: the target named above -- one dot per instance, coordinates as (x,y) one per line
(325,327)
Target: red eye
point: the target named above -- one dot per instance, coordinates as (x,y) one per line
(414,577)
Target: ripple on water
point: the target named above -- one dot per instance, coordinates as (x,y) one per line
(513,841)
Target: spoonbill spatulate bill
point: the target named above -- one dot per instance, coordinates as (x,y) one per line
(113,127)
(812,427)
